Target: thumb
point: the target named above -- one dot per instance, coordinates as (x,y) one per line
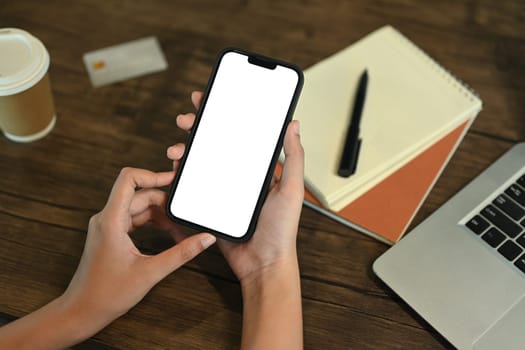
(171,259)
(293,167)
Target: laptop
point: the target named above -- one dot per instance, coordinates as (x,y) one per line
(463,268)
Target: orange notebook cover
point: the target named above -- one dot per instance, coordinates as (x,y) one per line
(385,211)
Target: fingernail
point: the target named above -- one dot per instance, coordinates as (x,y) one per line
(208,240)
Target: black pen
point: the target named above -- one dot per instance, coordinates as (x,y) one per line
(352,145)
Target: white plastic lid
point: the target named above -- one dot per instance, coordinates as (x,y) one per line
(23,61)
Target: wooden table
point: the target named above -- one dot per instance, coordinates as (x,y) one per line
(50,188)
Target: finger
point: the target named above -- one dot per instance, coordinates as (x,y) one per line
(143,218)
(176,152)
(155,216)
(274,181)
(292,177)
(146,198)
(171,259)
(127,182)
(185,121)
(196,99)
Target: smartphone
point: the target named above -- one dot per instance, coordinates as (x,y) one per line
(234,145)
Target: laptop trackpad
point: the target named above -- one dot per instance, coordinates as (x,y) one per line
(507,332)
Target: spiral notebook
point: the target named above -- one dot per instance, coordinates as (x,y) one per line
(412,102)
(386,210)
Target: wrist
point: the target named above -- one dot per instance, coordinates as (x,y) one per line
(281,273)
(272,312)
(82,316)
(73,321)
(66,326)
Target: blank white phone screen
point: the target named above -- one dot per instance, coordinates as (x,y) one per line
(233,145)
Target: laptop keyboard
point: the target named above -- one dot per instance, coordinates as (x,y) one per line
(501,224)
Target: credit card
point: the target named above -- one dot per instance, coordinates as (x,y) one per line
(124,61)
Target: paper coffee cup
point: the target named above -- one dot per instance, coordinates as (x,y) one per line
(27,112)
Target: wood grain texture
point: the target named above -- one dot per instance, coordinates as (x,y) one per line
(50,188)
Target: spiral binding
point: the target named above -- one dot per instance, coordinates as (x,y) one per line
(462,87)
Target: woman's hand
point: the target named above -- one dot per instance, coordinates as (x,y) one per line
(112,275)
